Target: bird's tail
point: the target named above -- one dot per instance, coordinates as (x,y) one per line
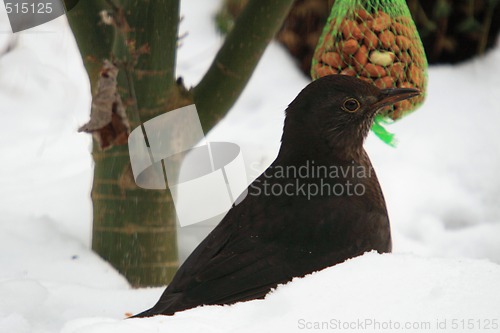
(166,306)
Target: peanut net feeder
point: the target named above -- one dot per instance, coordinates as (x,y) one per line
(376,41)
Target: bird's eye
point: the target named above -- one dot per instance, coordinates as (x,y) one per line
(351,105)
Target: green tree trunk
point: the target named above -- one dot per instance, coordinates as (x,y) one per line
(134,229)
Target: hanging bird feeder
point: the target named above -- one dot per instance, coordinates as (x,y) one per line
(376,41)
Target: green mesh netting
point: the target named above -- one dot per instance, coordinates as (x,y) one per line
(376,41)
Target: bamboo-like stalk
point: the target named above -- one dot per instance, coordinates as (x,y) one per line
(236,60)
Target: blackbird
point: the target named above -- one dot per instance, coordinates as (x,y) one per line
(317,205)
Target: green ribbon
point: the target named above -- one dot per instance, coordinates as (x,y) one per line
(383,134)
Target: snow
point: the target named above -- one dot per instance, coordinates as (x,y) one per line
(441,186)
(384,288)
(44,98)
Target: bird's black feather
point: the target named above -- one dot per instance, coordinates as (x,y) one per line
(268,239)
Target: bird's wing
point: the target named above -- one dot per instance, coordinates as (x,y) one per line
(265,241)
(234,262)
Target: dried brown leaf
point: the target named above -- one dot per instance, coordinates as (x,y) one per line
(108,120)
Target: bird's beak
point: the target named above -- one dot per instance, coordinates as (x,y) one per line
(394,95)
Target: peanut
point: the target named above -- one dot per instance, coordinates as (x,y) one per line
(395,49)
(397,71)
(382,58)
(401,29)
(406,85)
(350,29)
(363,15)
(322,70)
(381,22)
(416,75)
(371,38)
(350,47)
(349,71)
(370,81)
(387,38)
(361,57)
(400,108)
(384,82)
(405,57)
(403,42)
(332,59)
(373,71)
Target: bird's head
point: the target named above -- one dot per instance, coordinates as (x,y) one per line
(338,111)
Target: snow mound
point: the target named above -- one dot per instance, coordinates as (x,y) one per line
(364,292)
